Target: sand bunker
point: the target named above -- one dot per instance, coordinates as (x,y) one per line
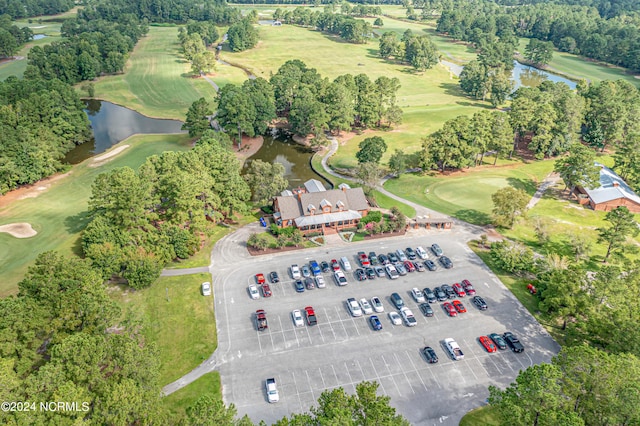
(19,230)
(104,157)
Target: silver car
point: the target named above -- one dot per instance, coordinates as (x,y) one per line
(377,304)
(395,318)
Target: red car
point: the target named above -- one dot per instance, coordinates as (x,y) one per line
(266,290)
(363,259)
(450,309)
(335,265)
(410,267)
(260,279)
(311,316)
(459,290)
(459,306)
(468,287)
(487,344)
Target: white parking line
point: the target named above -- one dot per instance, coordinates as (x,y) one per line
(374,369)
(295,384)
(329,322)
(320,331)
(415,369)
(349,373)
(342,323)
(404,372)
(386,364)
(309,335)
(324,385)
(336,375)
(310,385)
(284,337)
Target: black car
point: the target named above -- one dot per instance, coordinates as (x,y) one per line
(446,262)
(397,300)
(393,258)
(411,254)
(498,340)
(430,354)
(480,303)
(440,295)
(426,309)
(513,342)
(324,265)
(299,286)
(430,265)
(429,294)
(373,258)
(449,291)
(371,273)
(309,283)
(383,259)
(273,277)
(436,249)
(360,274)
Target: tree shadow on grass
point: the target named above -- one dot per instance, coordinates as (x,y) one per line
(528,185)
(75,224)
(473,216)
(181,61)
(451,89)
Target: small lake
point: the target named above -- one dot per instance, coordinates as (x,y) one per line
(39,36)
(295,158)
(522,75)
(113,123)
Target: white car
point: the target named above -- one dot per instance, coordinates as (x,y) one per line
(272,390)
(206,289)
(422,253)
(345,263)
(320,283)
(408,317)
(340,278)
(295,272)
(401,256)
(366,307)
(391,271)
(253,292)
(297,318)
(377,304)
(418,296)
(395,318)
(354,308)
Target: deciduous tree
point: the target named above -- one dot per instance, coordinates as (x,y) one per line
(266,180)
(508,203)
(578,168)
(371,150)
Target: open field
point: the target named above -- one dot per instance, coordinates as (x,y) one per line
(157,81)
(179,401)
(183,327)
(59,214)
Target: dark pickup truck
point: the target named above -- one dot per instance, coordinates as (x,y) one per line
(513,342)
(261,320)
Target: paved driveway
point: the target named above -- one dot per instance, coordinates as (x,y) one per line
(342,350)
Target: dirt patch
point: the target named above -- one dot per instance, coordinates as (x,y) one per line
(344,137)
(30,191)
(101,159)
(19,230)
(249,147)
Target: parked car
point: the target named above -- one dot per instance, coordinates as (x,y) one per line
(377,304)
(395,318)
(450,309)
(295,272)
(401,256)
(266,290)
(253,292)
(401,269)
(448,291)
(445,262)
(261,320)
(272,390)
(273,277)
(430,355)
(296,316)
(408,265)
(513,342)
(391,271)
(260,279)
(435,248)
(422,253)
(379,271)
(426,309)
(408,317)
(371,273)
(440,294)
(363,259)
(339,277)
(383,259)
(354,307)
(430,265)
(392,258)
(468,288)
(418,296)
(360,274)
(419,266)
(488,344)
(367,309)
(345,263)
(299,286)
(498,340)
(206,288)
(459,290)
(375,322)
(311,315)
(309,283)
(480,303)
(397,300)
(373,258)
(429,295)
(411,254)
(459,306)
(320,283)
(315,268)
(325,267)
(306,272)
(335,265)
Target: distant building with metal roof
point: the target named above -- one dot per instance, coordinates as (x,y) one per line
(613,192)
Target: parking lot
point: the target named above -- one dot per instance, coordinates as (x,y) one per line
(342,351)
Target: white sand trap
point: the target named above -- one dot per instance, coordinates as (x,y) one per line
(37,28)
(19,230)
(104,157)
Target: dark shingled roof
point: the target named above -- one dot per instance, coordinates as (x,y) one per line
(351,199)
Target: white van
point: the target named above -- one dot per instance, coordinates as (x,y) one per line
(345,263)
(422,253)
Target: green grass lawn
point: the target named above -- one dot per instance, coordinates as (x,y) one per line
(483,416)
(177,403)
(157,81)
(59,214)
(183,327)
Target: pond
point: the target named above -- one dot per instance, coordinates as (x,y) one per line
(113,123)
(39,36)
(295,158)
(522,75)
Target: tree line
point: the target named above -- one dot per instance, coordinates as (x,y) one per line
(12,37)
(18,9)
(345,26)
(416,50)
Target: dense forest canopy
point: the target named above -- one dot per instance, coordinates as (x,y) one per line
(18,9)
